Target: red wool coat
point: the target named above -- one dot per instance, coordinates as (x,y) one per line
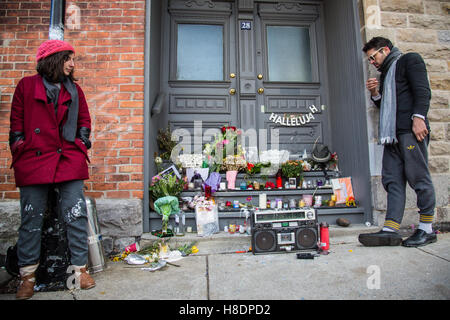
(45,156)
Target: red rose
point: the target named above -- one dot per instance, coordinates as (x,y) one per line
(270,184)
(250,166)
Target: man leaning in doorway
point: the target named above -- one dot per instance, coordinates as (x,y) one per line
(403,96)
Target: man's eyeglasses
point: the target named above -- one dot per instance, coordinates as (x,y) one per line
(372,56)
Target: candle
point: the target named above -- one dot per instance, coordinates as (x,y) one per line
(262,201)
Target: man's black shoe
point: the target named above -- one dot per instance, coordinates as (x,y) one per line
(420,238)
(380,238)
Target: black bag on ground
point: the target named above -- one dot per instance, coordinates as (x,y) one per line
(11,263)
(51,275)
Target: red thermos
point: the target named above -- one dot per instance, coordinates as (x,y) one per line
(324,236)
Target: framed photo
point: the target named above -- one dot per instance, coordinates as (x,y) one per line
(292,183)
(170,170)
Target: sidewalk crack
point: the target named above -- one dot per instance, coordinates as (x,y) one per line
(435,255)
(207,278)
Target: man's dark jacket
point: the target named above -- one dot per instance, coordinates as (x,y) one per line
(412,88)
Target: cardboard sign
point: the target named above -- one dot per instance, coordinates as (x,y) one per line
(342,188)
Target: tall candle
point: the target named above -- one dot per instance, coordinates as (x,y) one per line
(262,201)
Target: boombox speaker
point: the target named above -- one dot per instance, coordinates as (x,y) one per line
(306,238)
(264,241)
(283,232)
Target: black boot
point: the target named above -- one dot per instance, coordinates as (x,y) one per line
(380,238)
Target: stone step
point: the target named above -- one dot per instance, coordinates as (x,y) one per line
(223,242)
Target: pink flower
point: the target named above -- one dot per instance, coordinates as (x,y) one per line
(226,141)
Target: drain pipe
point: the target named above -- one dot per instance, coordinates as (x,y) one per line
(57,14)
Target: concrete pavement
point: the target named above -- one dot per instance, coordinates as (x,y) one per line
(216,272)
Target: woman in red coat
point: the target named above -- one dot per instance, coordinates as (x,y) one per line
(49,139)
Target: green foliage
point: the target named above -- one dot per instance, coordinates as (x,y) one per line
(165,143)
(292,168)
(167,185)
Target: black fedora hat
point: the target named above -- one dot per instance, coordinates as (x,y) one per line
(321,153)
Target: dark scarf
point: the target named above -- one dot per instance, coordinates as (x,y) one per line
(52,90)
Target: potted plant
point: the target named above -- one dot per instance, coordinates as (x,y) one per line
(165,145)
(292,169)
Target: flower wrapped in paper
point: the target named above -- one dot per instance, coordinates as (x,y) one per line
(166,206)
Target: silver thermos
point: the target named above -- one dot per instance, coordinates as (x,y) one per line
(96,254)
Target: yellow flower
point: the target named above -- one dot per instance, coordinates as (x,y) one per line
(194,249)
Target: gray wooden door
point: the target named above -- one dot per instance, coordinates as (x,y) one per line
(249,64)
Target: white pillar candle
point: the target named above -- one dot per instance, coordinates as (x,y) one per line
(262,201)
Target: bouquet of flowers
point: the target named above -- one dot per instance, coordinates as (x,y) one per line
(199,200)
(292,168)
(252,169)
(333,161)
(234,163)
(226,143)
(167,185)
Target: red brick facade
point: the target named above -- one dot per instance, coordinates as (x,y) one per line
(108,37)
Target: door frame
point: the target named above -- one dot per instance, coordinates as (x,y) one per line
(339,19)
(312,18)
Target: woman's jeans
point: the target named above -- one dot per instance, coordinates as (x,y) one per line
(71,207)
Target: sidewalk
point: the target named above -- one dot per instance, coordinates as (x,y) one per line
(216,272)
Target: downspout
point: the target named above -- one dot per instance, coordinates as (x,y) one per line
(57,14)
(146,211)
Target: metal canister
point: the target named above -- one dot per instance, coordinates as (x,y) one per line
(96,254)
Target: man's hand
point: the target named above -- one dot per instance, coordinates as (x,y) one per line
(372,86)
(419,128)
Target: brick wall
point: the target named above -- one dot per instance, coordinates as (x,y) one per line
(108,37)
(421,26)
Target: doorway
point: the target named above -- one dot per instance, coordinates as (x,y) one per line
(249,64)
(242,43)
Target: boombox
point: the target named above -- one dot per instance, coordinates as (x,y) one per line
(284,230)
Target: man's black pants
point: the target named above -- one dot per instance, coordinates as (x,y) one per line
(407,161)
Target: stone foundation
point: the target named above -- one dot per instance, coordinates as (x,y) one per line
(411,217)
(120,222)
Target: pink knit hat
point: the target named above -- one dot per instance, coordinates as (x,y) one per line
(50,47)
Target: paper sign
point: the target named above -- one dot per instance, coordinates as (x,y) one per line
(342,188)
